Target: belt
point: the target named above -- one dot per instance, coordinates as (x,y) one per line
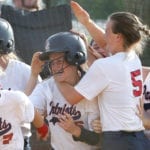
(132,133)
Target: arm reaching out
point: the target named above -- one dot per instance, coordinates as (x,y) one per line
(69,92)
(83,17)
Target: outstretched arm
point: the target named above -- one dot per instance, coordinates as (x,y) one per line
(83,17)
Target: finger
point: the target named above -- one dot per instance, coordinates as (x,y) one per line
(96,121)
(68,116)
(62,118)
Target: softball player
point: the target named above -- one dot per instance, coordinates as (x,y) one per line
(66,52)
(15,73)
(116,80)
(15,108)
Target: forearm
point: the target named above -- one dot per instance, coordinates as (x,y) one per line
(96,32)
(31,84)
(68,91)
(88,137)
(38,119)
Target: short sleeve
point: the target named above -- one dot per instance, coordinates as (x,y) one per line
(93,82)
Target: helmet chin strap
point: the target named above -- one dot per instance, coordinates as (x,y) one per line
(60,71)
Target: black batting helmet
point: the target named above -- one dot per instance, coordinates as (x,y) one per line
(69,43)
(7,43)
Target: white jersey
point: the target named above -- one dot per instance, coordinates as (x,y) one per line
(117,81)
(15,108)
(15,77)
(47,98)
(146,96)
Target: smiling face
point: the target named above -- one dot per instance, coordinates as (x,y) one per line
(60,69)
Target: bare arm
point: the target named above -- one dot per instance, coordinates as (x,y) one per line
(36,68)
(40,125)
(69,92)
(38,119)
(83,17)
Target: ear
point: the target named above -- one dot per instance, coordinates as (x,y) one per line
(119,37)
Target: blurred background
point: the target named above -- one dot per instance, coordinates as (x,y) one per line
(32,25)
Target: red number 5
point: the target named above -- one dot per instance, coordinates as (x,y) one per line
(136,83)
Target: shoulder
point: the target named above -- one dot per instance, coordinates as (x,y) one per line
(20,64)
(13,96)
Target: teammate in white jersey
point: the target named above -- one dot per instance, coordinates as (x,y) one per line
(16,73)
(15,108)
(66,52)
(116,80)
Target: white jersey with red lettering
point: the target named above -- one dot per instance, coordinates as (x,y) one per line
(47,98)
(146,96)
(117,81)
(15,77)
(15,108)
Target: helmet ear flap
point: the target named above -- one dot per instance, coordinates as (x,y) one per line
(6,47)
(76,58)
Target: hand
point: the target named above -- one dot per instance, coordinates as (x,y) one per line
(97,126)
(36,64)
(140,110)
(82,36)
(68,124)
(81,14)
(96,53)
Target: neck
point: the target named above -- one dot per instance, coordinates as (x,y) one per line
(74,79)
(4,62)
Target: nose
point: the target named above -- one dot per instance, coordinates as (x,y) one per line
(55,66)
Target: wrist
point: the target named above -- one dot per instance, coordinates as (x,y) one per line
(43,130)
(76,132)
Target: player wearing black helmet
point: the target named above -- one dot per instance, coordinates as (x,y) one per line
(11,66)
(66,52)
(7,43)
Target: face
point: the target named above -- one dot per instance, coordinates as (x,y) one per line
(111,38)
(60,69)
(101,51)
(18,3)
(30,3)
